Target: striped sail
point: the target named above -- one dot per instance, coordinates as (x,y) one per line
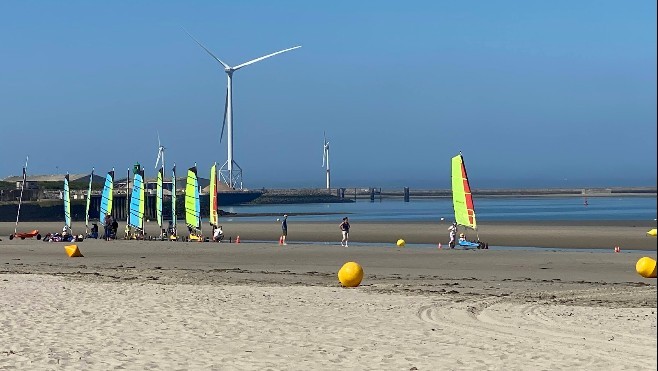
(136,218)
(91,177)
(173,197)
(192,204)
(107,197)
(462,200)
(214,217)
(158,197)
(67,203)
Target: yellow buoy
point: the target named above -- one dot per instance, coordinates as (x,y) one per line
(350,274)
(400,243)
(646,267)
(72,251)
(652,232)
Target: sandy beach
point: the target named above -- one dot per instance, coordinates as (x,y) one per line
(251,306)
(629,235)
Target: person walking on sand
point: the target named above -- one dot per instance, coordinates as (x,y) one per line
(107,224)
(284,229)
(345,230)
(453,235)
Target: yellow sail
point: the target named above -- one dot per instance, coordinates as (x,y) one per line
(214,217)
(462,200)
(192,204)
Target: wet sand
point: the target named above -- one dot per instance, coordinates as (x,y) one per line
(628,235)
(179,305)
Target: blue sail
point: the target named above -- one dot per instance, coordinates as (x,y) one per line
(67,202)
(137,203)
(107,196)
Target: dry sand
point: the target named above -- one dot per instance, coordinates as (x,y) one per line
(251,306)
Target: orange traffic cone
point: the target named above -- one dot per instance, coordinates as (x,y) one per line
(237,239)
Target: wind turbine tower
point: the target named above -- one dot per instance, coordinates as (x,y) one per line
(161,151)
(231,172)
(325,160)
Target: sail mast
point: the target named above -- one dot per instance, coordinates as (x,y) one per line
(91,177)
(20,199)
(173,197)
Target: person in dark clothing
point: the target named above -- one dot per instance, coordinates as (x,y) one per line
(284,229)
(107,226)
(345,231)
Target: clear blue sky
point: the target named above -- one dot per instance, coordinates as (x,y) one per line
(539,93)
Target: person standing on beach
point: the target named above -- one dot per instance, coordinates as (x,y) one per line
(453,235)
(284,229)
(345,230)
(107,224)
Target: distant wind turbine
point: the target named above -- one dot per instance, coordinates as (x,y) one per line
(161,151)
(325,159)
(233,177)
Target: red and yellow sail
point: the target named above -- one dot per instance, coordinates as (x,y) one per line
(462,200)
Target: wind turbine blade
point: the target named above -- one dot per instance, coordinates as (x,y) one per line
(206,49)
(158,159)
(224,123)
(159,144)
(267,56)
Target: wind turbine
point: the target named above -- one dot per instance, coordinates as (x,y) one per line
(230,175)
(161,150)
(325,159)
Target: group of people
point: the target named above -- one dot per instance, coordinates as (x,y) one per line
(344,229)
(110,226)
(462,241)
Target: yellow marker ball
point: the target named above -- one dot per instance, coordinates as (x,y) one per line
(646,267)
(350,274)
(400,243)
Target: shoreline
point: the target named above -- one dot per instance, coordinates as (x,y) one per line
(628,235)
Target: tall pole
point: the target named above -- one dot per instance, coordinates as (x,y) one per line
(128,198)
(229,122)
(328,171)
(20,199)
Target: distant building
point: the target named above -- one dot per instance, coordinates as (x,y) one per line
(33,180)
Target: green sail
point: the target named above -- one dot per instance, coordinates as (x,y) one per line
(158,197)
(192,204)
(462,200)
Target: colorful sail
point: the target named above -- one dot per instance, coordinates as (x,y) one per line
(158,197)
(173,197)
(137,204)
(91,178)
(192,204)
(107,197)
(462,200)
(214,217)
(67,203)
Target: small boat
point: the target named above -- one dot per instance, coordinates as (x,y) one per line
(462,202)
(193,205)
(23,235)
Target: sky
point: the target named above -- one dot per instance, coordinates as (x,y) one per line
(534,93)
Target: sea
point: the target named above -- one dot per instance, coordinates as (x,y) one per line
(434,209)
